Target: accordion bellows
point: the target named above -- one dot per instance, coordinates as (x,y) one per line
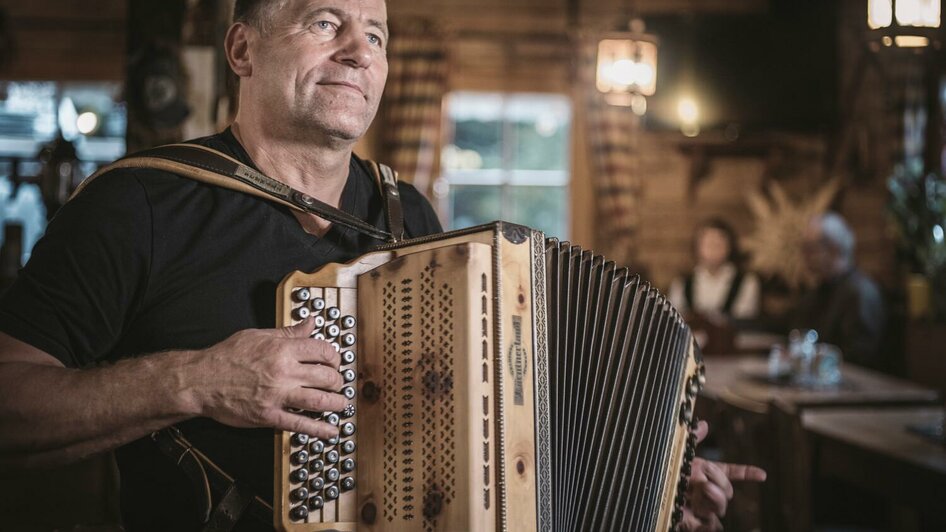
(499,381)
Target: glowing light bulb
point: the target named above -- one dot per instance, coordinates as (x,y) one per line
(687,110)
(87,122)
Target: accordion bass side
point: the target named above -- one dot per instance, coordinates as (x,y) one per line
(499,381)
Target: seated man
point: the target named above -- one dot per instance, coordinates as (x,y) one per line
(845,307)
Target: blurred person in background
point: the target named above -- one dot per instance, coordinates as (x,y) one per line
(845,306)
(718,290)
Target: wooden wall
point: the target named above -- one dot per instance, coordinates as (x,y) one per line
(65,40)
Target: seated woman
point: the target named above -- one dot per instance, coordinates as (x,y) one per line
(717,290)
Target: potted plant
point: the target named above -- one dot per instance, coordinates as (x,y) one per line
(918,209)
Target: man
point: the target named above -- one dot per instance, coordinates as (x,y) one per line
(171,282)
(845,307)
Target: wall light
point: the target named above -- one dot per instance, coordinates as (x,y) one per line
(905,23)
(627,65)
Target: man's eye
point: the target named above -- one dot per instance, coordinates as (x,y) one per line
(324,25)
(374,39)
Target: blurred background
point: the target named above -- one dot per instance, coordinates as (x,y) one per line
(623,126)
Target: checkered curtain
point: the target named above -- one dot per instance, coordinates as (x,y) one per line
(411,108)
(612,135)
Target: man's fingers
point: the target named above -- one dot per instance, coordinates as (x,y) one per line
(708,500)
(316,400)
(702,429)
(290,422)
(314,351)
(710,524)
(320,377)
(742,472)
(303,329)
(716,475)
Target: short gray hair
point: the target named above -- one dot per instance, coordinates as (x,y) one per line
(836,232)
(256,13)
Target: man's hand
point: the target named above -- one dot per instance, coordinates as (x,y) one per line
(254,377)
(710,489)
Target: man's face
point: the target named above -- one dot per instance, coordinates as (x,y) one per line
(712,247)
(819,256)
(321,67)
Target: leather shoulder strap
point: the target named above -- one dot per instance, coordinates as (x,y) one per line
(210,166)
(386,179)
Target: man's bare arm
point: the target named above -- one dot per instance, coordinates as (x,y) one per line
(52,415)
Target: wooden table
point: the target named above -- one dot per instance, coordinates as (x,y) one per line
(744,380)
(875,450)
(759,421)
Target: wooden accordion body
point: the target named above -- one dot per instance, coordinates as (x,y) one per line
(500,381)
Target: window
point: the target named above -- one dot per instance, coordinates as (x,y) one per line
(506,157)
(90,117)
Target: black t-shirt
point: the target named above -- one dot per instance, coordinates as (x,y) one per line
(144,261)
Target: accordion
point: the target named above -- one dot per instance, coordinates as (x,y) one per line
(498,381)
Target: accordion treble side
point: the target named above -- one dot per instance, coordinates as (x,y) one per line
(499,381)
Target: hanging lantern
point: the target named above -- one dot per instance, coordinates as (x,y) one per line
(905,23)
(627,65)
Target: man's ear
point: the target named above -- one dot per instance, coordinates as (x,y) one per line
(237,48)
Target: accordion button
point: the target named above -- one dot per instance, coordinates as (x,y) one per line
(348,465)
(348,392)
(299,494)
(331,457)
(299,513)
(317,447)
(348,375)
(333,440)
(348,322)
(316,503)
(332,419)
(348,447)
(333,331)
(299,475)
(316,466)
(686,412)
(301,295)
(336,346)
(689,454)
(318,336)
(687,468)
(333,313)
(300,313)
(299,439)
(319,321)
(348,483)
(348,340)
(331,475)
(693,387)
(300,457)
(348,429)
(348,412)
(331,493)
(316,484)
(348,357)
(318,303)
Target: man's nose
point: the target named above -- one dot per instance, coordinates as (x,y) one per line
(355,50)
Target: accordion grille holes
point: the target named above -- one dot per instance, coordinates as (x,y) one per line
(436,369)
(391,488)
